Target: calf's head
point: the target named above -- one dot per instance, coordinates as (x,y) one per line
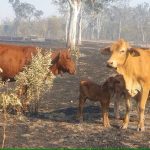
(115,85)
(110,83)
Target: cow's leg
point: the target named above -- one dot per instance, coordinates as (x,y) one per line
(105,110)
(142,102)
(127,115)
(81,105)
(137,99)
(116,106)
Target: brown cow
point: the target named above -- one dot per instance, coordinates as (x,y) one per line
(94,92)
(14,57)
(134,65)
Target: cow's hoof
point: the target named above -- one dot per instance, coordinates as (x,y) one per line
(140,126)
(107,125)
(141,129)
(124,126)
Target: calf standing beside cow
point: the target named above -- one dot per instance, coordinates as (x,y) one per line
(13,58)
(134,65)
(101,93)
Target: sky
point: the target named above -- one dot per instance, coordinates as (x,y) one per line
(46,6)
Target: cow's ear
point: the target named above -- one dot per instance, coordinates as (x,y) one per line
(60,56)
(56,59)
(105,50)
(133,52)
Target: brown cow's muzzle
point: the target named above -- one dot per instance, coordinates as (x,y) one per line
(72,72)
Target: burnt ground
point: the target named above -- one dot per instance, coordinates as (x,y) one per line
(56,124)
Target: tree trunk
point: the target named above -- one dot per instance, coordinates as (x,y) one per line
(15,27)
(79,38)
(92,32)
(99,25)
(142,32)
(120,28)
(72,30)
(67,26)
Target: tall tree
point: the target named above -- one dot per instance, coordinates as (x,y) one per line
(142,13)
(75,6)
(75,9)
(23,11)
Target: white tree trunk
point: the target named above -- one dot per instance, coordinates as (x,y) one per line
(99,24)
(79,38)
(98,27)
(120,28)
(67,26)
(140,30)
(142,33)
(72,31)
(92,32)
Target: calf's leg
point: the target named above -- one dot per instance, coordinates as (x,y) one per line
(116,106)
(81,105)
(105,109)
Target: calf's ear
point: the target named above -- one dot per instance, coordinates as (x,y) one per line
(105,51)
(133,52)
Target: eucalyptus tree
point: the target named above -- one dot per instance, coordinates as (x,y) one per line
(23,10)
(142,19)
(76,8)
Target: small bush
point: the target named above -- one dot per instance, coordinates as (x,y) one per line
(34,80)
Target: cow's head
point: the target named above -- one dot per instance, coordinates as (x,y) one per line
(119,53)
(63,63)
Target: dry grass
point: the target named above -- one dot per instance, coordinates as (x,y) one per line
(56,125)
(35,77)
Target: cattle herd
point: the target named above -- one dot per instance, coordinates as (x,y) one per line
(132,65)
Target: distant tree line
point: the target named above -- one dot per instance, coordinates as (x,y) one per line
(52,27)
(120,21)
(96,21)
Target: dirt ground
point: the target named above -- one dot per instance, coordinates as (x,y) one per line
(56,124)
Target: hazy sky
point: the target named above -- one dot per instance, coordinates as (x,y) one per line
(46,6)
